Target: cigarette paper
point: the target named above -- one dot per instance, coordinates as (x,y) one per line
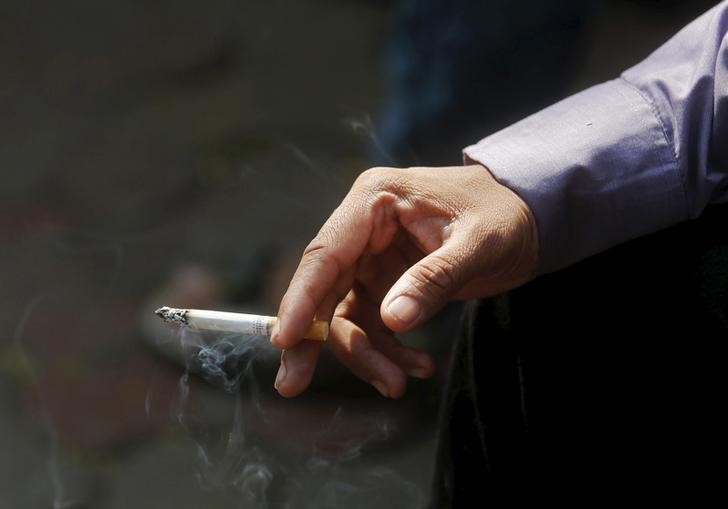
(234,322)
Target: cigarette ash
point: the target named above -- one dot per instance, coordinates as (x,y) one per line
(172,315)
(281,453)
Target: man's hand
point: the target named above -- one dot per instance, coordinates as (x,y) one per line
(401,245)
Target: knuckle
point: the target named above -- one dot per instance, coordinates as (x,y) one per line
(321,249)
(435,277)
(368,176)
(317,258)
(317,252)
(375,179)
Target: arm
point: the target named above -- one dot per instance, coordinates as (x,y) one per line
(616,161)
(627,157)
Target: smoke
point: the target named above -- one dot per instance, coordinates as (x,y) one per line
(67,481)
(276,453)
(226,361)
(363,125)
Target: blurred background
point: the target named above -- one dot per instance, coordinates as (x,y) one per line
(183,153)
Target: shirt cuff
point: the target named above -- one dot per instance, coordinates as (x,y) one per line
(596,169)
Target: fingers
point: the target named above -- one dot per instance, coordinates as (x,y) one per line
(375,275)
(413,362)
(374,354)
(297,367)
(319,283)
(326,271)
(370,350)
(300,359)
(426,286)
(375,357)
(353,348)
(363,222)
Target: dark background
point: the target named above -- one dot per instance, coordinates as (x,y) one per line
(153,151)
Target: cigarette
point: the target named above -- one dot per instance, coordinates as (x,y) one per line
(241,323)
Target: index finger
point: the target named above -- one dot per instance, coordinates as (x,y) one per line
(324,275)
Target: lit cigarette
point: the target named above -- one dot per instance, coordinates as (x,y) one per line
(234,322)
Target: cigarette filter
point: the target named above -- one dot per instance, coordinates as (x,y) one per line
(234,322)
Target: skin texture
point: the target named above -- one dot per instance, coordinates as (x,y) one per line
(402,244)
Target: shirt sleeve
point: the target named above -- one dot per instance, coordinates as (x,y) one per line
(627,157)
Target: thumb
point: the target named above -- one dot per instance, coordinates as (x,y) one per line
(424,289)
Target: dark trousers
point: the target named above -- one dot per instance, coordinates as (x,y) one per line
(602,381)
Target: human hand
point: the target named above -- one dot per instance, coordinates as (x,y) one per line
(402,244)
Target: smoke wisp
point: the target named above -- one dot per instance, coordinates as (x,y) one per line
(268,452)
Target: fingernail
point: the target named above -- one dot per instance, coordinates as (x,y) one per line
(405,309)
(381,388)
(418,373)
(281,376)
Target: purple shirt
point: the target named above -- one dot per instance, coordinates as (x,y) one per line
(627,157)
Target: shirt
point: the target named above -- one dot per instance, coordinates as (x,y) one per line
(627,157)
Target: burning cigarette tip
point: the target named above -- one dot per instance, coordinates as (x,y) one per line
(172,315)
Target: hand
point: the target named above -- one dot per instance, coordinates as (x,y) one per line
(401,245)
